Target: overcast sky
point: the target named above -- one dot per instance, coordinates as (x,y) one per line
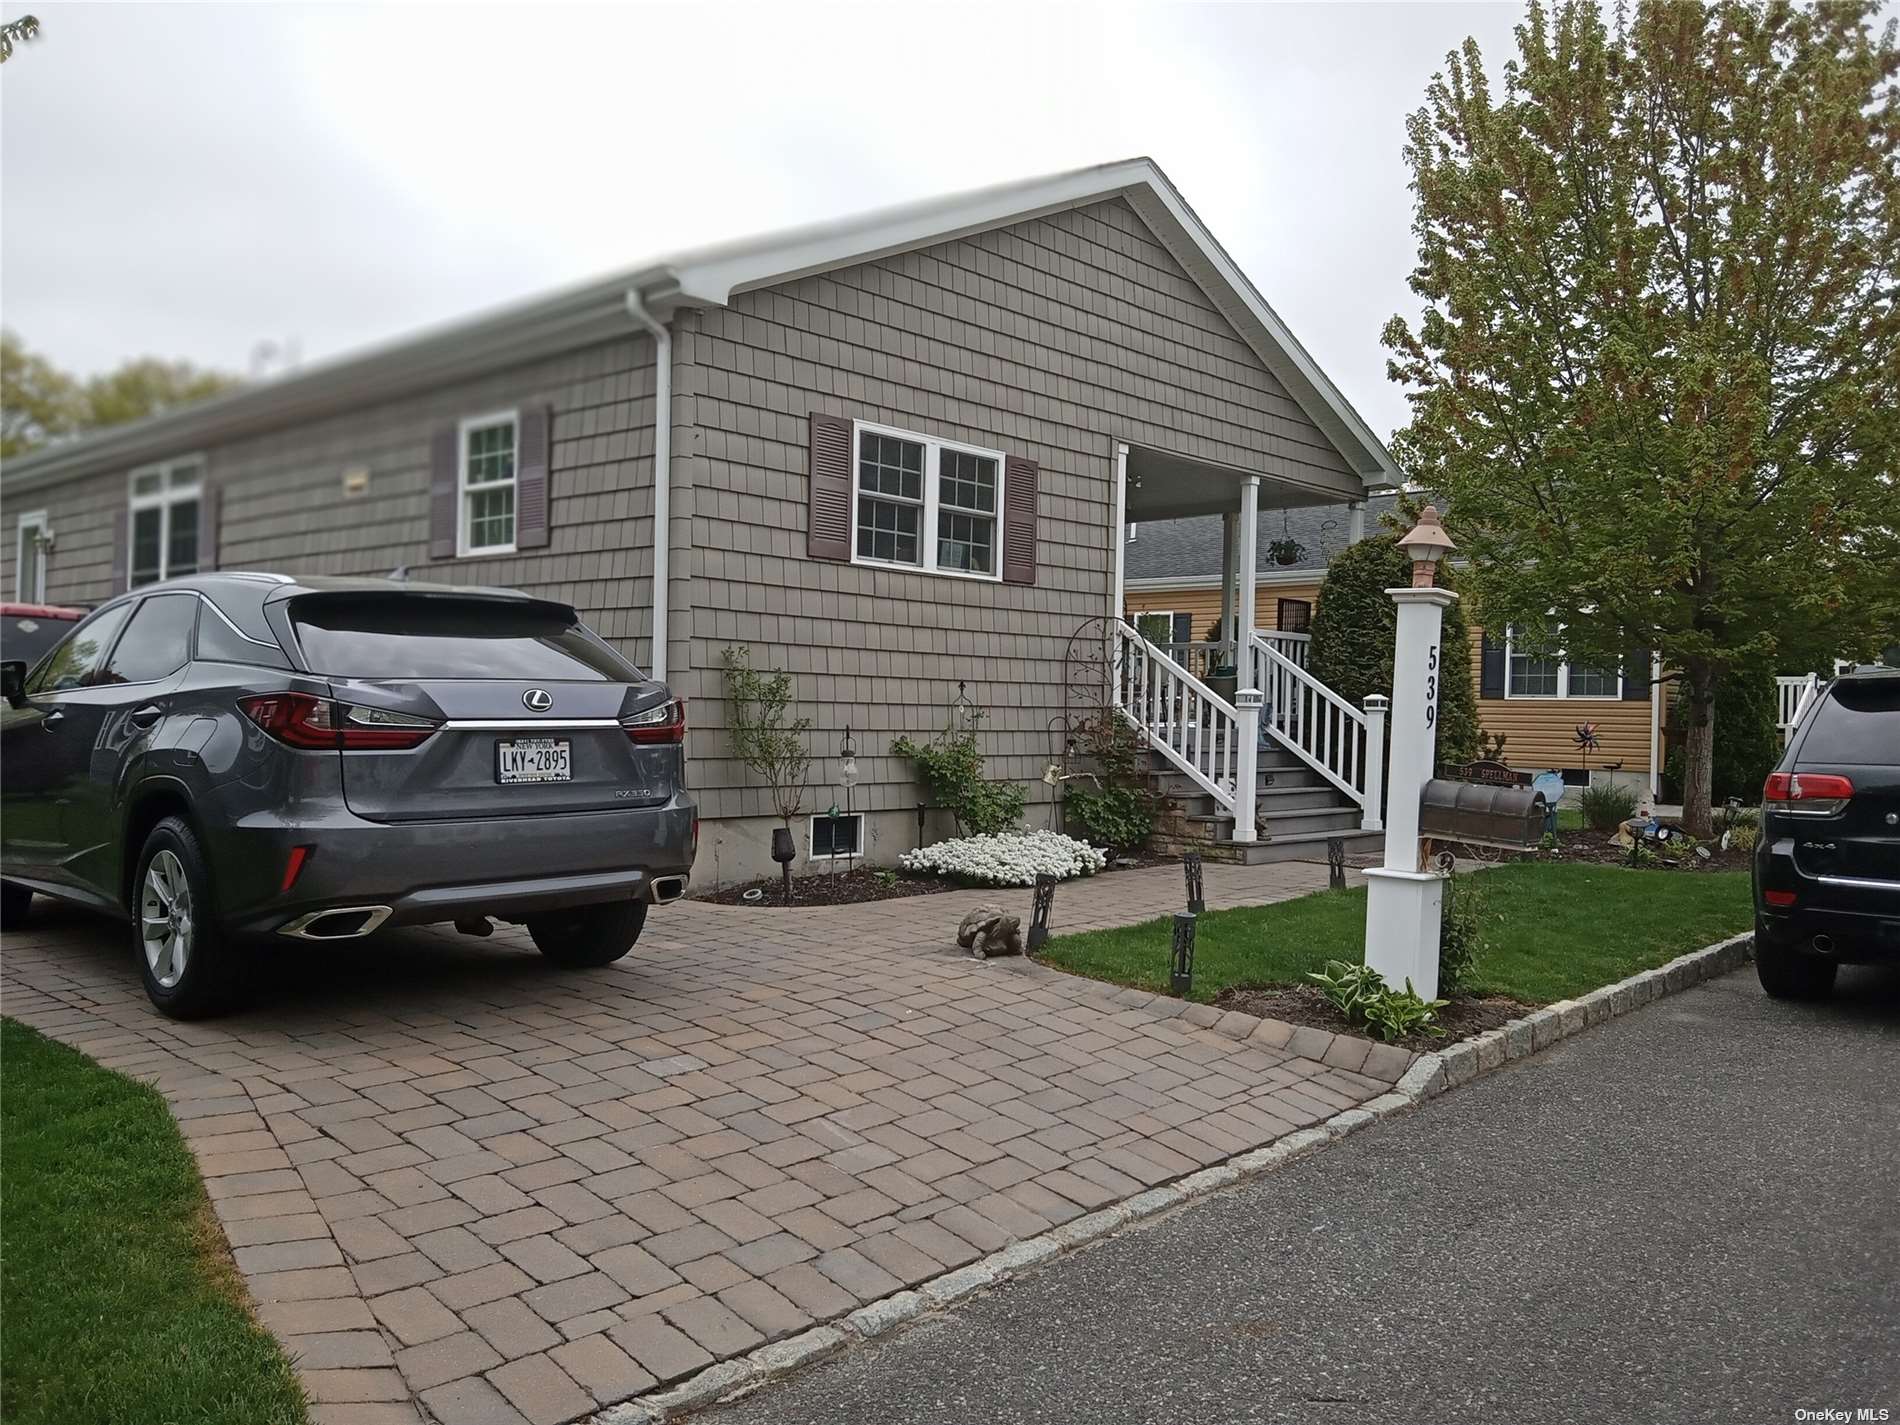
(193,180)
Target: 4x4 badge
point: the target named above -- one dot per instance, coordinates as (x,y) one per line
(538,699)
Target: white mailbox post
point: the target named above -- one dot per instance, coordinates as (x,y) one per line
(1402,898)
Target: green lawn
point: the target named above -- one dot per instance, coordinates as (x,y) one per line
(118,1303)
(1551,931)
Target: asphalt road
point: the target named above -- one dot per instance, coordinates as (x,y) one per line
(1688,1214)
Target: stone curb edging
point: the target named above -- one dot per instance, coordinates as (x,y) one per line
(1428,1076)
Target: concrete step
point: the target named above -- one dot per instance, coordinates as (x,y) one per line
(1275,824)
(1190,798)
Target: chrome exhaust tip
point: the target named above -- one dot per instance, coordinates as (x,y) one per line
(1824,944)
(666,889)
(348,922)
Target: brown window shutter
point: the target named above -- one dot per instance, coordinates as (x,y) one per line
(121,550)
(1020,477)
(1636,673)
(210,499)
(1490,667)
(531,478)
(444,474)
(829,532)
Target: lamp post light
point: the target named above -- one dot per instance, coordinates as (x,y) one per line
(1403,899)
(848,779)
(1040,911)
(1191,867)
(1181,969)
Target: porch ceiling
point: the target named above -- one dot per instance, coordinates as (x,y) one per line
(1166,486)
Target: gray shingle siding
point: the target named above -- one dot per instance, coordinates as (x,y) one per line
(1054,338)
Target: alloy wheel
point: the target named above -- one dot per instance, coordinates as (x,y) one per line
(165,919)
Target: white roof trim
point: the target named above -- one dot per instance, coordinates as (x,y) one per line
(595,311)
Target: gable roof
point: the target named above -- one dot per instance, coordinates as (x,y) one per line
(1167,551)
(596,311)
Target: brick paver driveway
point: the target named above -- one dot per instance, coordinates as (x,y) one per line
(463,1186)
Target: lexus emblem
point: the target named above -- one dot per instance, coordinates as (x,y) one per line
(538,699)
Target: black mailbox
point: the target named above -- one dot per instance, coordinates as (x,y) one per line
(1481,815)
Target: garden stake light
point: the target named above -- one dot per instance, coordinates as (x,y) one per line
(1336,864)
(1181,971)
(1045,903)
(784,852)
(1191,864)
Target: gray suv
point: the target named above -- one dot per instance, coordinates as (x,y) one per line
(233,755)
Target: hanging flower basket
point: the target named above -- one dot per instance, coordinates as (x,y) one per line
(1286,551)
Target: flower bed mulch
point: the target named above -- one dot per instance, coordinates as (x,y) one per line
(1599,848)
(1465,1016)
(880,883)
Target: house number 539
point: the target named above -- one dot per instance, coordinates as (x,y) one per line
(1431,686)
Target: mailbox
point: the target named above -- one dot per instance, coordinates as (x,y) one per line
(1482,815)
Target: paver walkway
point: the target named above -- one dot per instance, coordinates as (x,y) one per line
(465,1187)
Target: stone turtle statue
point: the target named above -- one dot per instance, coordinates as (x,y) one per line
(989,930)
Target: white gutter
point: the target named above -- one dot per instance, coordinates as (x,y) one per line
(662,472)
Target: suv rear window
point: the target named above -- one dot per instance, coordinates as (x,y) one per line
(1858,721)
(390,636)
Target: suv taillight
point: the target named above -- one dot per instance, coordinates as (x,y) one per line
(1806,793)
(664,723)
(302,720)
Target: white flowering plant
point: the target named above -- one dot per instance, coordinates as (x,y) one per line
(1008,858)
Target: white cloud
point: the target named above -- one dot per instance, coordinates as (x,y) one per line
(190,180)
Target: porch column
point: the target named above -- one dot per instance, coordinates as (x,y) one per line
(1227,576)
(1117,594)
(1249,575)
(1355,521)
(1248,700)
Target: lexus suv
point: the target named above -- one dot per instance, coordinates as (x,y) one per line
(238,755)
(1827,864)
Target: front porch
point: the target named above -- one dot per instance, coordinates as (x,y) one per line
(1267,761)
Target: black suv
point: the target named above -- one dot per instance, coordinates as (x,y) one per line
(1827,865)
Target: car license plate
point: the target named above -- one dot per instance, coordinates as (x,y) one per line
(533,759)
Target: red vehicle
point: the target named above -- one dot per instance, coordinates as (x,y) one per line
(28,630)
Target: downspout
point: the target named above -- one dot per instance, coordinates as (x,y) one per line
(662,472)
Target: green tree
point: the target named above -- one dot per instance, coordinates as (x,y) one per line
(1355,624)
(39,403)
(1656,371)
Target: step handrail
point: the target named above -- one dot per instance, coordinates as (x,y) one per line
(1313,722)
(1208,739)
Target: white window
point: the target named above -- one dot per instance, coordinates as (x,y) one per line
(834,837)
(926,504)
(1532,672)
(164,507)
(29,559)
(487,483)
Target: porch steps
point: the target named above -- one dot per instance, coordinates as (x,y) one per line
(1298,812)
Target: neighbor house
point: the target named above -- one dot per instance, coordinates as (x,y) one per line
(896,456)
(1533,701)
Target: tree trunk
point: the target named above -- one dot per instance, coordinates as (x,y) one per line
(1698,751)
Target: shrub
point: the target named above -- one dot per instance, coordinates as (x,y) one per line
(953,769)
(1119,811)
(1460,933)
(765,737)
(1359,992)
(1747,739)
(1355,622)
(1606,805)
(1743,835)
(1015,859)
(1397,1013)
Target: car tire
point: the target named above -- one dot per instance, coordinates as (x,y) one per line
(1788,973)
(172,922)
(588,936)
(16,903)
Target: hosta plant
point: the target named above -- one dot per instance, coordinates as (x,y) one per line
(1007,859)
(1397,1013)
(1349,987)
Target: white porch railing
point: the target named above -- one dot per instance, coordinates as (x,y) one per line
(1204,658)
(1791,697)
(1343,744)
(1213,742)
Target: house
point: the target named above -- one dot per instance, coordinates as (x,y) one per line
(893,455)
(1533,702)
